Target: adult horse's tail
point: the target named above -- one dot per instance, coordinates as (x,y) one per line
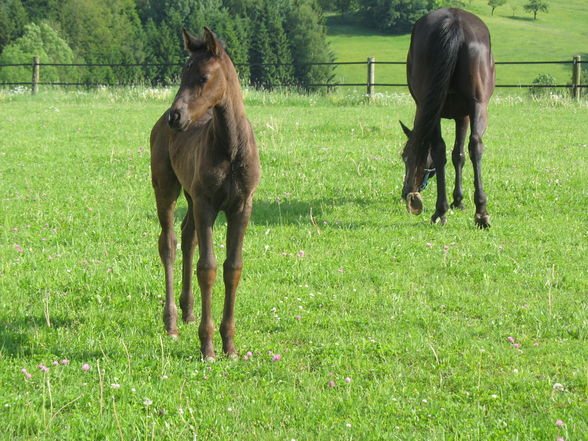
(442,46)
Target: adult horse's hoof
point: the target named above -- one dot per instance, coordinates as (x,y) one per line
(233,356)
(414,203)
(440,219)
(173,334)
(457,206)
(482,221)
(208,359)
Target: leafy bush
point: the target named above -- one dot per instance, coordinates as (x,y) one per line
(542,85)
(38,40)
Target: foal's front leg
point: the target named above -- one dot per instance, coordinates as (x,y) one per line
(166,197)
(204,217)
(236,225)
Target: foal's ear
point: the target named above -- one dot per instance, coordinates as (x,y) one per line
(405,129)
(213,45)
(191,43)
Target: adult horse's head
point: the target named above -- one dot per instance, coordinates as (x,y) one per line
(416,174)
(203,82)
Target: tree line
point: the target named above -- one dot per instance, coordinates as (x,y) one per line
(146,34)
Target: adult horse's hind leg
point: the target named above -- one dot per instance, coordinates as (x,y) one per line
(188,246)
(439,160)
(458,159)
(236,226)
(479,121)
(167,190)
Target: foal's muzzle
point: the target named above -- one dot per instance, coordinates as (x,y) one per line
(174,119)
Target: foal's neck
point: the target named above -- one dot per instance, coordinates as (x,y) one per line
(231,127)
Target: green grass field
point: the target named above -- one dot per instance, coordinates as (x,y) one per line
(388,327)
(556,36)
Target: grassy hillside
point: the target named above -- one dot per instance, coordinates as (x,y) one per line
(557,35)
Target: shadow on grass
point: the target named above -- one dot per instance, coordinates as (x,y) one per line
(517,18)
(14,333)
(283,211)
(350,25)
(347,26)
(293,212)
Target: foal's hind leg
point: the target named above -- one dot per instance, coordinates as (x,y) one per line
(479,121)
(167,190)
(439,159)
(458,159)
(188,246)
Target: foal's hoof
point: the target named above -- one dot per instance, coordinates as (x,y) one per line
(173,334)
(414,202)
(188,318)
(233,356)
(208,354)
(482,221)
(457,206)
(436,218)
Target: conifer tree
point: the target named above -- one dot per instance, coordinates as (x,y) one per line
(13,18)
(307,37)
(283,72)
(260,53)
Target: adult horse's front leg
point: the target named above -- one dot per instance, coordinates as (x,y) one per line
(236,225)
(458,159)
(204,217)
(439,160)
(476,149)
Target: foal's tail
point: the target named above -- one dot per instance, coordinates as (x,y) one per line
(443,48)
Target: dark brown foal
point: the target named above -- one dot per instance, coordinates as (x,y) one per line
(204,145)
(451,74)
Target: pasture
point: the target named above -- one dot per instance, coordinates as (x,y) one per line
(363,322)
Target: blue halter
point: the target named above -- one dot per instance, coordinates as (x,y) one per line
(429,173)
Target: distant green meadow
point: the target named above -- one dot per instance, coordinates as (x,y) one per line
(556,36)
(386,327)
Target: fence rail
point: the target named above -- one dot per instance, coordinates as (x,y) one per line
(370,84)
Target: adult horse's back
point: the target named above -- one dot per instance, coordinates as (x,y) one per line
(451,74)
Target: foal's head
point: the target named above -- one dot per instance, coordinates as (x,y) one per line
(203,82)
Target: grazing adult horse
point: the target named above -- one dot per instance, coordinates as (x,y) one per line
(204,145)
(451,75)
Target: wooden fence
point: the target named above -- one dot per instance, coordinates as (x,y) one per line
(370,84)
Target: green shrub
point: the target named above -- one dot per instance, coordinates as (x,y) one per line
(543,85)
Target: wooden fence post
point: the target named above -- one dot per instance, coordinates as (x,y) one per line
(576,77)
(35,82)
(371,64)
